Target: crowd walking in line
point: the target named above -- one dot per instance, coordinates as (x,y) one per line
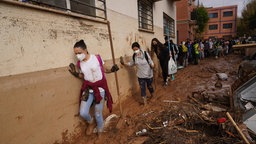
(90,68)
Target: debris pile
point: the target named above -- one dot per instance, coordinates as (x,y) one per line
(200,119)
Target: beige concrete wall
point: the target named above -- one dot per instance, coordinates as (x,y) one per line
(38,96)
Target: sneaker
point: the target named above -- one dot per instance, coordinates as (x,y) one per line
(168,78)
(172,77)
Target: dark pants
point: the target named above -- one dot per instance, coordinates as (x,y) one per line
(164,67)
(196,56)
(143,82)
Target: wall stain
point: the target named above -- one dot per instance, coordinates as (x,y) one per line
(53,34)
(60,117)
(19,117)
(22,50)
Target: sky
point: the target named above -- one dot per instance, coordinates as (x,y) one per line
(218,3)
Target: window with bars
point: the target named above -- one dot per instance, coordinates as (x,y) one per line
(213,27)
(169,26)
(145,14)
(227,26)
(85,7)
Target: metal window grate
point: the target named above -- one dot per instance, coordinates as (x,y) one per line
(92,8)
(169,26)
(145,14)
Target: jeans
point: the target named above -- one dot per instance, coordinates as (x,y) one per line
(143,82)
(98,108)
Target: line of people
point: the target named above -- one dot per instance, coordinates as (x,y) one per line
(90,68)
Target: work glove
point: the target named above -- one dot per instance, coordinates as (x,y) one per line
(114,68)
(72,70)
(122,60)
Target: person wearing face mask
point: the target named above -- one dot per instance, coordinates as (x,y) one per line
(94,90)
(142,60)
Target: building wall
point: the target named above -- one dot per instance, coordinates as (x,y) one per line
(184,23)
(38,96)
(220,20)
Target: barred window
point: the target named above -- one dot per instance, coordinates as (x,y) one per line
(85,7)
(145,14)
(169,26)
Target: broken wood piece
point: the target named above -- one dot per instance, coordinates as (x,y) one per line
(170,101)
(185,130)
(176,122)
(211,107)
(153,128)
(199,103)
(229,133)
(237,128)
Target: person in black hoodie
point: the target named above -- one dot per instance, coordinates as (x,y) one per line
(173,48)
(162,54)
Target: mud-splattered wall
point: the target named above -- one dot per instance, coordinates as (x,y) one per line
(34,40)
(38,96)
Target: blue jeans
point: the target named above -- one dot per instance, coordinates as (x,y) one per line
(143,82)
(98,108)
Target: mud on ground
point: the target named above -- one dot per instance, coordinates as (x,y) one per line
(186,111)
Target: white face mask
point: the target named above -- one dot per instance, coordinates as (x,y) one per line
(81,56)
(137,51)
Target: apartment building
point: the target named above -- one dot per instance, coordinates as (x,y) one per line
(39,98)
(222,22)
(185,22)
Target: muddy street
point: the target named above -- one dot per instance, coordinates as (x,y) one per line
(185,111)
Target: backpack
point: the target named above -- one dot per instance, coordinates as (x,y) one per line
(145,54)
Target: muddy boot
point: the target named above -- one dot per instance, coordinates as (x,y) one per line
(144,100)
(151,96)
(90,127)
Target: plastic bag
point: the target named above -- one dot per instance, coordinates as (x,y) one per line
(172,68)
